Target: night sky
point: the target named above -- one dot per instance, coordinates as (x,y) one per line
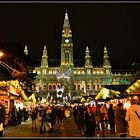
(116,26)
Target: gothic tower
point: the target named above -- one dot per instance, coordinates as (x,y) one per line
(106,62)
(44,61)
(88,62)
(66,44)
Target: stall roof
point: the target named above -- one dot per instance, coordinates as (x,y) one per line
(120,88)
(135,87)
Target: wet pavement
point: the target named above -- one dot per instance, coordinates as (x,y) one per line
(66,129)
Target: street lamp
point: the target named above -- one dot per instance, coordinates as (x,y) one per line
(1,54)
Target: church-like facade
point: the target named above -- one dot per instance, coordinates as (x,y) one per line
(83,80)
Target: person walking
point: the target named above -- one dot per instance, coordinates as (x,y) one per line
(75,113)
(34,114)
(133,119)
(81,120)
(2,114)
(101,114)
(111,118)
(90,123)
(43,127)
(121,125)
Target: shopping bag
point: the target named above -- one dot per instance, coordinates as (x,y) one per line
(1,126)
(49,125)
(40,119)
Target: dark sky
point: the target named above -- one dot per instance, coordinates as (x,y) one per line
(116,26)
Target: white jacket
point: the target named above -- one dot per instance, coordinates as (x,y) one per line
(133,120)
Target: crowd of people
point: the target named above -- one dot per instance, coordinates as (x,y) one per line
(91,120)
(95,120)
(48,116)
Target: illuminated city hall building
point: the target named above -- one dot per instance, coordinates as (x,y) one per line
(87,78)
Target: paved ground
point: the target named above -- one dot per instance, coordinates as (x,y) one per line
(66,129)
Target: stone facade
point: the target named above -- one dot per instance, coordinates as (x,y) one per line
(88,78)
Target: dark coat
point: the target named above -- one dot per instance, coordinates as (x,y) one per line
(111,114)
(2,114)
(121,125)
(90,124)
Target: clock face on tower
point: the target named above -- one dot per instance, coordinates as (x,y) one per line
(66,40)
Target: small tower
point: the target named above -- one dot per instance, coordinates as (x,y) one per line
(88,62)
(106,62)
(44,61)
(26,50)
(66,44)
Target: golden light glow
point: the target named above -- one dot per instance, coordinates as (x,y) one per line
(133,87)
(1,54)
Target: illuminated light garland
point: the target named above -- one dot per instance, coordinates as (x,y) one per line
(135,86)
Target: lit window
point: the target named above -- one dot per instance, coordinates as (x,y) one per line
(94,72)
(102,72)
(50,72)
(54,72)
(44,71)
(38,72)
(98,72)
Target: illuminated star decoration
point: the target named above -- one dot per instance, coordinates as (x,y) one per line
(66,75)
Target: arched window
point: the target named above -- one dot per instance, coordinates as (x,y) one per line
(54,86)
(98,86)
(50,87)
(78,87)
(58,86)
(74,87)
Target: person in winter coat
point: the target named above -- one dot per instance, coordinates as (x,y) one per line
(34,114)
(43,127)
(2,114)
(101,114)
(121,124)
(111,118)
(81,120)
(133,119)
(90,123)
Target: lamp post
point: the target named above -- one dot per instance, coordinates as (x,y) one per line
(1,54)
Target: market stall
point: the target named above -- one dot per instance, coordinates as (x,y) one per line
(10,95)
(109,96)
(134,90)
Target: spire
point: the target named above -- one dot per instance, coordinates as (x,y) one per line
(106,61)
(26,50)
(66,44)
(88,62)
(66,21)
(44,61)
(66,27)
